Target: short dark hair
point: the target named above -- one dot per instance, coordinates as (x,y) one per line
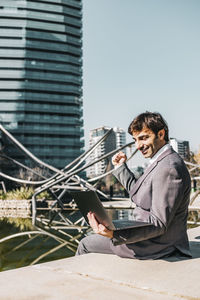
(153,121)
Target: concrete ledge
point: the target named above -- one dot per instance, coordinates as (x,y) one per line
(107,277)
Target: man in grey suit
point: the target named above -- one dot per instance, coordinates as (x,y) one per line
(161,196)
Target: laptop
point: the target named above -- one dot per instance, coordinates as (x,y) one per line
(88,201)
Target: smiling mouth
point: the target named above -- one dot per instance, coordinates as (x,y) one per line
(144,151)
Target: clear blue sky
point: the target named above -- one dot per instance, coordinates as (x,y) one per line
(142,55)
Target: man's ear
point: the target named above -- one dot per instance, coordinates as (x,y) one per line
(161,134)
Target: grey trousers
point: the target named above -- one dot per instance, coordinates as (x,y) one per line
(96,243)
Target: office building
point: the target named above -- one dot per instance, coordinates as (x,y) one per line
(41,77)
(181,147)
(115,140)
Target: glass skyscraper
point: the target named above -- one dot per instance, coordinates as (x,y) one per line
(41,76)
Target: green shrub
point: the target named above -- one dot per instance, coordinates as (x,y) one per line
(24,193)
(20,193)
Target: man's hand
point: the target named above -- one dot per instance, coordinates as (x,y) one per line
(99,228)
(119,158)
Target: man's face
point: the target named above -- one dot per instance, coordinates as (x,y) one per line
(147,142)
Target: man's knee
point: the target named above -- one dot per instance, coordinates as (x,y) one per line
(81,247)
(94,243)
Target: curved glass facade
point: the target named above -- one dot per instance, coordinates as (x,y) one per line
(41,76)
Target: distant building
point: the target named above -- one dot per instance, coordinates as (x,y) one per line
(115,140)
(41,77)
(129,150)
(120,137)
(181,147)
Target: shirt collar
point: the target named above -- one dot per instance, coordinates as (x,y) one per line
(160,151)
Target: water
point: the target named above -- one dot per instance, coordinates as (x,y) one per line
(24,250)
(12,256)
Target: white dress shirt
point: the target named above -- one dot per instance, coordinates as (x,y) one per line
(160,151)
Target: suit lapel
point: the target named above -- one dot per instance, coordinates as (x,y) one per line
(148,170)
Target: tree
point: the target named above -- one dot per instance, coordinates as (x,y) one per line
(197,157)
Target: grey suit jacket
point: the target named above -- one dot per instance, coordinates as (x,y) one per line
(161,196)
